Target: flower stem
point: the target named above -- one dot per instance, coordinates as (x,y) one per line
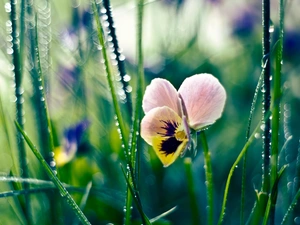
(209,178)
(192,191)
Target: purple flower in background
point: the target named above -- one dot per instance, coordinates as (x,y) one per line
(71,142)
(291,45)
(69,75)
(244,23)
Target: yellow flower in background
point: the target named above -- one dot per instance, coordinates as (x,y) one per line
(170,114)
(71,143)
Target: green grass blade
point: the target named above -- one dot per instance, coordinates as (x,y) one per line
(291,208)
(163,214)
(119,57)
(273,197)
(110,78)
(136,198)
(276,110)
(252,109)
(137,112)
(266,95)
(18,69)
(62,190)
(240,156)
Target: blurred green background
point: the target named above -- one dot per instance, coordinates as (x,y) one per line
(181,38)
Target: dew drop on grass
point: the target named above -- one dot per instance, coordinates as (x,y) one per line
(7,7)
(297,220)
(271,27)
(257,135)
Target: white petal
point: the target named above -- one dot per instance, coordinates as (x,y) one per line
(161,93)
(203,99)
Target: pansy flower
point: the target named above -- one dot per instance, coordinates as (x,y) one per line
(170,115)
(71,143)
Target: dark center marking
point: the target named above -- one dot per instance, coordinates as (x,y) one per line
(170,127)
(169,146)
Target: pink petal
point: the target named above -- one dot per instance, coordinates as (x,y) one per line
(161,93)
(203,99)
(153,122)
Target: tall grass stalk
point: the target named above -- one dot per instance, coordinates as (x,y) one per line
(18,73)
(137,111)
(208,179)
(266,95)
(110,78)
(276,110)
(119,57)
(62,190)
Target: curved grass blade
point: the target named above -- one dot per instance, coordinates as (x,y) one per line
(62,190)
(242,153)
(291,208)
(252,109)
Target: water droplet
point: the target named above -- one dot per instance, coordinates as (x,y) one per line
(126,78)
(42,99)
(271,28)
(7,7)
(128,89)
(297,220)
(257,135)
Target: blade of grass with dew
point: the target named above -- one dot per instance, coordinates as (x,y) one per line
(18,63)
(192,192)
(276,108)
(14,203)
(242,217)
(110,78)
(45,122)
(84,199)
(62,190)
(119,57)
(136,198)
(44,14)
(273,197)
(291,208)
(208,179)
(137,112)
(240,156)
(266,95)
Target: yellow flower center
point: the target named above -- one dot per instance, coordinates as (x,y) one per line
(180,135)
